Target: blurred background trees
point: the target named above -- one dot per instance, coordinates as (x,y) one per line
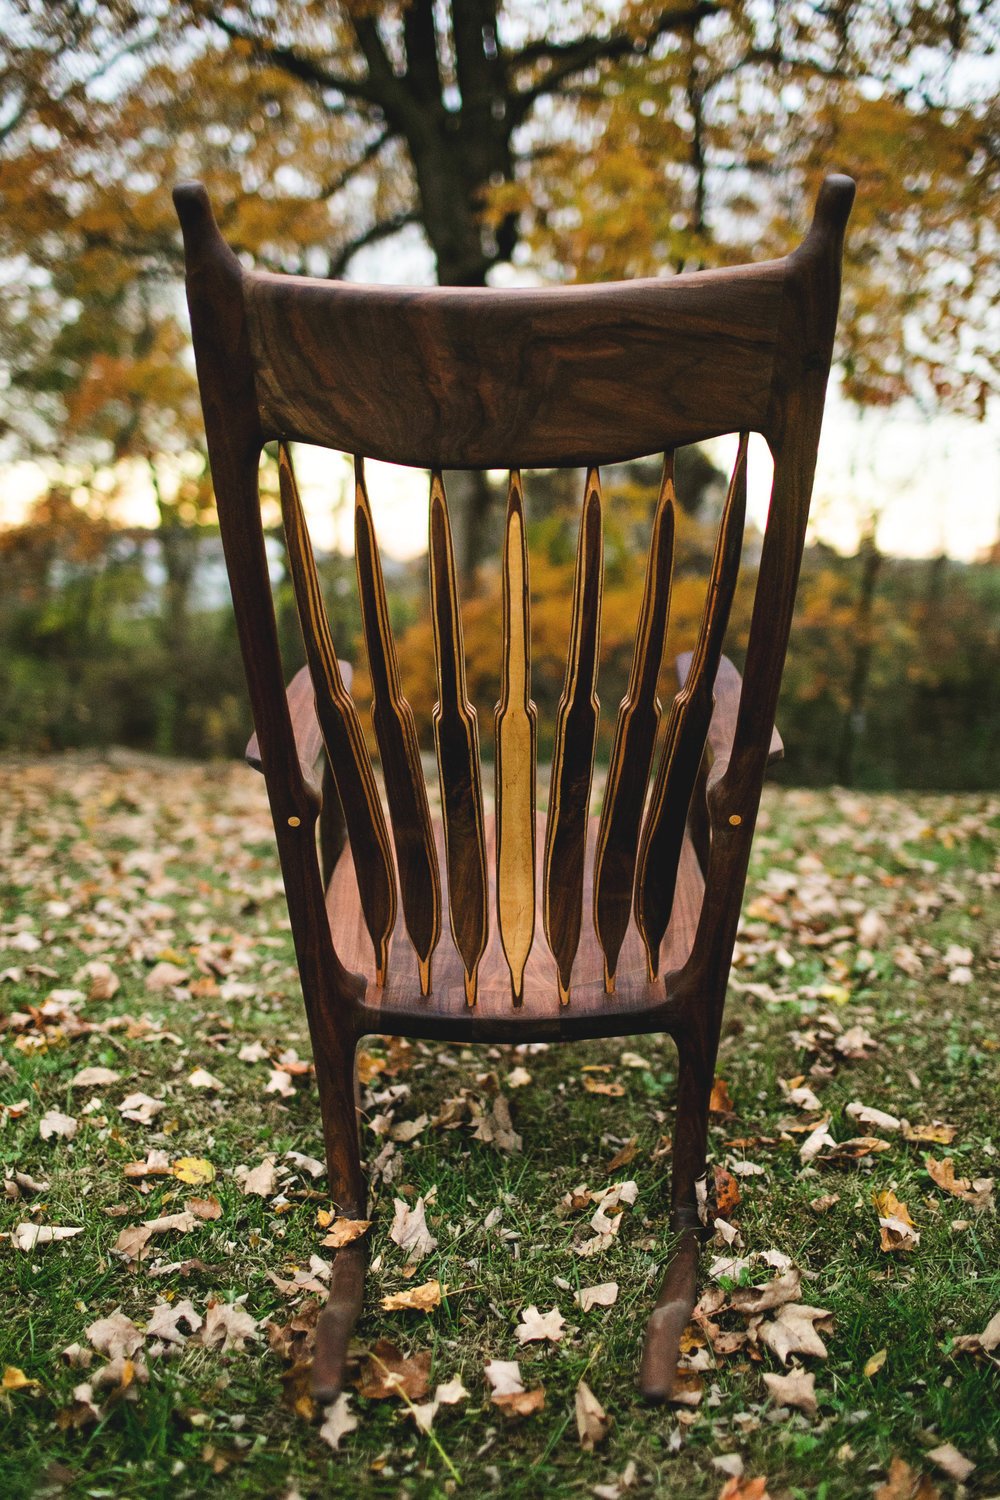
(473,142)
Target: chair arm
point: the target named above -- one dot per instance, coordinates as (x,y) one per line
(722,729)
(305,725)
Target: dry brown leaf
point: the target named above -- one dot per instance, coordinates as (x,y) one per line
(157,1164)
(987,1342)
(387,1372)
(978,1192)
(338,1421)
(418,1299)
(133,1240)
(719,1102)
(202,1079)
(947,1458)
(521,1403)
(875,1119)
(797,1388)
(140,1108)
(536,1327)
(227,1326)
(595,1086)
(204,1208)
(905,1483)
(344,1232)
(495,1128)
(115,1335)
(260,1181)
(623,1157)
(793,1331)
(727,1192)
(27,1236)
(409,1229)
(741,1488)
(165,976)
(55,1123)
(877,1361)
(592,1422)
(937,1132)
(504,1376)
(94,1078)
(896,1228)
(604,1295)
(758,1299)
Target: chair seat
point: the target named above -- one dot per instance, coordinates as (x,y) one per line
(399,1008)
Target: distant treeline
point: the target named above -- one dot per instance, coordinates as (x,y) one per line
(111,637)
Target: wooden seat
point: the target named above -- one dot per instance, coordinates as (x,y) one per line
(398,1005)
(510,926)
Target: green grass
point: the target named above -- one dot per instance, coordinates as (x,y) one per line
(130,863)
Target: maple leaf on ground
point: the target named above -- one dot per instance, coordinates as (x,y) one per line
(416,1299)
(227,1326)
(947,1458)
(387,1372)
(448,1394)
(987,1342)
(260,1181)
(164,1320)
(409,1229)
(202,1079)
(592,1422)
(338,1421)
(133,1240)
(719,1102)
(797,1388)
(196,1171)
(115,1335)
(727,1192)
(165,976)
(345,1232)
(738,1488)
(280,1082)
(904,1483)
(793,1331)
(536,1327)
(769,1294)
(979,1192)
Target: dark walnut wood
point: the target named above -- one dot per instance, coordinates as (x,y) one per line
(341,728)
(456,735)
(515,730)
(452,378)
(687,729)
(573,753)
(635,739)
(396,736)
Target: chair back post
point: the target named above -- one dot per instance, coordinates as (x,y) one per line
(214,283)
(807,325)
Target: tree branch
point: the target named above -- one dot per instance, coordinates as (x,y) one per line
(383,230)
(296,64)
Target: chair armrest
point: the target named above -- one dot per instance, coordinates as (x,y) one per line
(305,725)
(728,691)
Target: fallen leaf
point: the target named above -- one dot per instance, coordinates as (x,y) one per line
(133,1240)
(979,1192)
(775,1293)
(876,1119)
(947,1458)
(409,1229)
(876,1363)
(719,1102)
(344,1232)
(196,1171)
(897,1231)
(204,1208)
(227,1326)
(504,1377)
(494,1126)
(824,1202)
(94,1078)
(937,1132)
(338,1421)
(987,1342)
(418,1299)
(536,1327)
(54,1123)
(164,976)
(604,1295)
(252,1052)
(592,1422)
(623,1157)
(141,1108)
(16,1380)
(739,1488)
(201,1079)
(596,1086)
(387,1372)
(793,1331)
(306,1164)
(905,1483)
(260,1181)
(163,1322)
(727,1192)
(279,1082)
(104,982)
(518,1078)
(157,1164)
(855,1042)
(114,1336)
(27,1236)
(797,1388)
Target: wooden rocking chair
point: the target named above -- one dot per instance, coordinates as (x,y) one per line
(511,931)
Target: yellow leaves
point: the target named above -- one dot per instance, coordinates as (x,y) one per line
(897,1231)
(719,1102)
(16,1380)
(978,1192)
(196,1171)
(876,1363)
(423,1298)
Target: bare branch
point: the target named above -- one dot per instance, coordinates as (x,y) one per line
(383,230)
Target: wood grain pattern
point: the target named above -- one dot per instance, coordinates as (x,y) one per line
(456,736)
(396,735)
(342,732)
(687,728)
(635,740)
(573,752)
(515,727)
(448,377)
(446,1015)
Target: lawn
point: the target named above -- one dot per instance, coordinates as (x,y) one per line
(144,936)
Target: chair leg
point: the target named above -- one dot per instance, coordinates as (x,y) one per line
(337,1077)
(679,1291)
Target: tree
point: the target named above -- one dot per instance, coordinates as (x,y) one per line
(588,140)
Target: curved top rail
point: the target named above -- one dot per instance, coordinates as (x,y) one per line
(450,377)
